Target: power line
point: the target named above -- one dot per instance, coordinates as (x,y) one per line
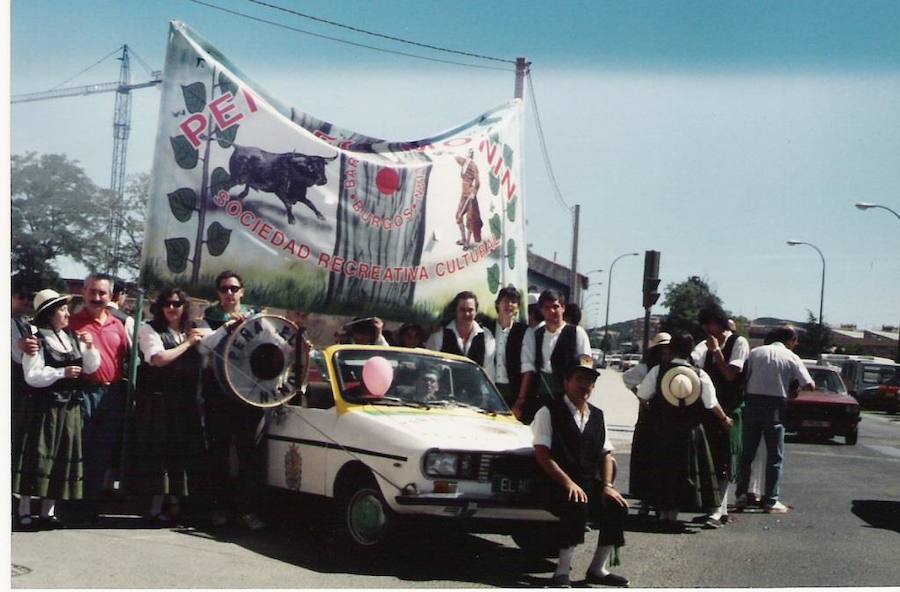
(381,35)
(71,78)
(141,62)
(344,41)
(543,143)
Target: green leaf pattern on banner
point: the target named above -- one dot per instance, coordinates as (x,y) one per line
(219,180)
(508,155)
(493,278)
(194,97)
(183,202)
(496,228)
(177,250)
(226,137)
(511,210)
(217,238)
(495,183)
(185,155)
(511,253)
(226,85)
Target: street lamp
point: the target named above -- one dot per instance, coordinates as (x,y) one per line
(794,243)
(608,292)
(866,206)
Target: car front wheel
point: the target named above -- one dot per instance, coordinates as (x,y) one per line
(850,439)
(364,519)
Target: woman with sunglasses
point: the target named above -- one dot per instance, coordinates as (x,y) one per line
(49,464)
(167,433)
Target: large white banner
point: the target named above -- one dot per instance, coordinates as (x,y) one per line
(319,218)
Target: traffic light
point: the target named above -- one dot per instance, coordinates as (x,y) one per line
(651,278)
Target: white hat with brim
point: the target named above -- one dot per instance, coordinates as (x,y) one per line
(44,299)
(660,339)
(680,386)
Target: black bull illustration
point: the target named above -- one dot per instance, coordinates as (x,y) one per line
(288,175)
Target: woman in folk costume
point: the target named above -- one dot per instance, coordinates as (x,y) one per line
(679,396)
(641,473)
(168,443)
(49,464)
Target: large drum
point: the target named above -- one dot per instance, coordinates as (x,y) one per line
(260,363)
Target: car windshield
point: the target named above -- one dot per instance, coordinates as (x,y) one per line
(827,380)
(415,380)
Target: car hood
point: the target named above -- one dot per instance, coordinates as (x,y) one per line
(451,429)
(822,398)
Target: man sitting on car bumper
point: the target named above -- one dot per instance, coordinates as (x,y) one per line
(571,446)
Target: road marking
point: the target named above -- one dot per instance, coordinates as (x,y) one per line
(888,450)
(856,456)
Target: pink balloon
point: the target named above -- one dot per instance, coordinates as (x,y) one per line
(378,374)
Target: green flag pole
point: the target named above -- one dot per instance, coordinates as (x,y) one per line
(133,363)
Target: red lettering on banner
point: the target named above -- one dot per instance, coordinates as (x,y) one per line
(251,101)
(264,231)
(247,216)
(277,238)
(323,259)
(193,127)
(364,271)
(303,252)
(454,142)
(350,268)
(221,107)
(234,208)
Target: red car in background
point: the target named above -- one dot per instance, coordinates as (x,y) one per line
(825,412)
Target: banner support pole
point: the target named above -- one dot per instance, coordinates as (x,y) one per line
(521,69)
(574,296)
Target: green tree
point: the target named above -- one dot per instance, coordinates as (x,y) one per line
(129,215)
(684,301)
(56,210)
(815,340)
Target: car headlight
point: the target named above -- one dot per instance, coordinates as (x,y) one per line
(441,464)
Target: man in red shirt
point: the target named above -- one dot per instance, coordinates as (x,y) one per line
(103,405)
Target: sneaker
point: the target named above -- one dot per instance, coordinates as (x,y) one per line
(560,581)
(252,522)
(776,508)
(219,518)
(609,579)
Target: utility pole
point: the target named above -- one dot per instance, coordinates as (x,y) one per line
(651,295)
(573,295)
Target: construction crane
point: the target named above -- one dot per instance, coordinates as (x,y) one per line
(121,131)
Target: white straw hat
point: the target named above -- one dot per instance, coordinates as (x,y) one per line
(680,386)
(47,298)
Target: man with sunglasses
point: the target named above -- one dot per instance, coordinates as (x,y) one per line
(229,421)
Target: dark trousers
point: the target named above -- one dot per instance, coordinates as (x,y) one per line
(763,418)
(102,412)
(599,511)
(228,422)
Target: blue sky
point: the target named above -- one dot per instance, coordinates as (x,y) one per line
(710,131)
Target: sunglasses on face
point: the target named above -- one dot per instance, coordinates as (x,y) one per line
(230,289)
(173,304)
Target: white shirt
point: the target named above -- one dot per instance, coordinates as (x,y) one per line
(582,347)
(151,342)
(39,375)
(542,427)
(647,388)
(771,368)
(739,352)
(634,375)
(436,342)
(501,336)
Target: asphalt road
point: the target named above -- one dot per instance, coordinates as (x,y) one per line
(844,530)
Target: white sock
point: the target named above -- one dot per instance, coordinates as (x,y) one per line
(24,506)
(723,507)
(601,560)
(156,505)
(565,561)
(48,508)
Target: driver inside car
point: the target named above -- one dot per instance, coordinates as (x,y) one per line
(427,386)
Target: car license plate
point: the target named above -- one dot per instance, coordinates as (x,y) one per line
(511,484)
(815,423)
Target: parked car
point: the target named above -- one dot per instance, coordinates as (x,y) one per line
(825,412)
(614,361)
(885,396)
(597,356)
(861,374)
(387,447)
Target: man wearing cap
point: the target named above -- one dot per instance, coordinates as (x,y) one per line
(103,405)
(770,370)
(722,356)
(548,351)
(366,331)
(119,296)
(572,447)
(679,395)
(464,336)
(641,469)
(509,335)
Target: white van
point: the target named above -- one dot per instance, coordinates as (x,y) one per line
(870,371)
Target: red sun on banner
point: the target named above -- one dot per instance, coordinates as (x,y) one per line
(388,181)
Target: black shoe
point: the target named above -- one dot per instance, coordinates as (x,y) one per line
(51,523)
(700,519)
(712,523)
(561,581)
(609,579)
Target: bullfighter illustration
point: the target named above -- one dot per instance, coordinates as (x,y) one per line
(468,215)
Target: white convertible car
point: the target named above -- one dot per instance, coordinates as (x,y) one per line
(406,436)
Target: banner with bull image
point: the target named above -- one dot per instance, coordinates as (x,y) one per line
(319,218)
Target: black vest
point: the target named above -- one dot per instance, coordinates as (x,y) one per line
(671,416)
(24,330)
(64,389)
(578,454)
(181,374)
(729,393)
(513,352)
(476,349)
(563,354)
